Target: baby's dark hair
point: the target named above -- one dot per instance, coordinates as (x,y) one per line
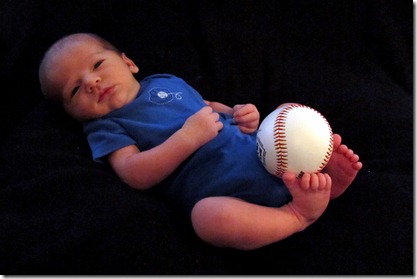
(44,67)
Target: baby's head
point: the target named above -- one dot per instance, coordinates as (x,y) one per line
(56,51)
(87,75)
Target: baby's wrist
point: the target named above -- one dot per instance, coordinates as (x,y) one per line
(187,141)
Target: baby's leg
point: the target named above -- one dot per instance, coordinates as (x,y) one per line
(234,223)
(343,167)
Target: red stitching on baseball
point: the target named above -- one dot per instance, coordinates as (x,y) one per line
(329,148)
(280,140)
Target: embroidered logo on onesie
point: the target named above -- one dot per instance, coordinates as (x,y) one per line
(163,96)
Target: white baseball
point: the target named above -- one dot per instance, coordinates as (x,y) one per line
(294,138)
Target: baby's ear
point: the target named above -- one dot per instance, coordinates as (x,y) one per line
(132,66)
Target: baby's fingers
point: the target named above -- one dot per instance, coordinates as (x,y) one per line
(241,110)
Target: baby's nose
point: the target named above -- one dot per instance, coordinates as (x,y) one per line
(91,82)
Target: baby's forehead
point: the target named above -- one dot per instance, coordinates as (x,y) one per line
(77,46)
(73,50)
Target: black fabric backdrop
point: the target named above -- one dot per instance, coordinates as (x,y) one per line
(60,213)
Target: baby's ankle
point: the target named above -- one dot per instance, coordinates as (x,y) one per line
(303,221)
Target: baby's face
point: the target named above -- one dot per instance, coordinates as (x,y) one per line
(93,81)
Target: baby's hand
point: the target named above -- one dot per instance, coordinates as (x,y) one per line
(246,117)
(203,126)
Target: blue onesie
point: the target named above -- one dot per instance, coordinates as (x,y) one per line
(228,165)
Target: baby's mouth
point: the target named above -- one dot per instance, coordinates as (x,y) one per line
(106,91)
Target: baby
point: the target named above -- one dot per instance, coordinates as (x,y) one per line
(160,133)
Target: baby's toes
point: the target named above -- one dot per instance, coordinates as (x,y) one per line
(314,182)
(342,149)
(322,181)
(305,181)
(357,166)
(349,153)
(337,140)
(328,182)
(354,158)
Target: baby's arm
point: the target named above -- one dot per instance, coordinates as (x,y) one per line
(145,169)
(246,116)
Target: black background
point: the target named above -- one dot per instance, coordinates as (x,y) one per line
(60,213)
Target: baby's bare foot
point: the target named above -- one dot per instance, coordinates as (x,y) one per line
(310,193)
(343,167)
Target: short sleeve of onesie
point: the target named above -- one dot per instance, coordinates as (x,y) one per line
(106,136)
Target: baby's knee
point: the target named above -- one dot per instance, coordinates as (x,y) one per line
(205,214)
(209,216)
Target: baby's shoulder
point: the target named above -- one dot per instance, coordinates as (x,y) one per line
(164,80)
(160,76)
